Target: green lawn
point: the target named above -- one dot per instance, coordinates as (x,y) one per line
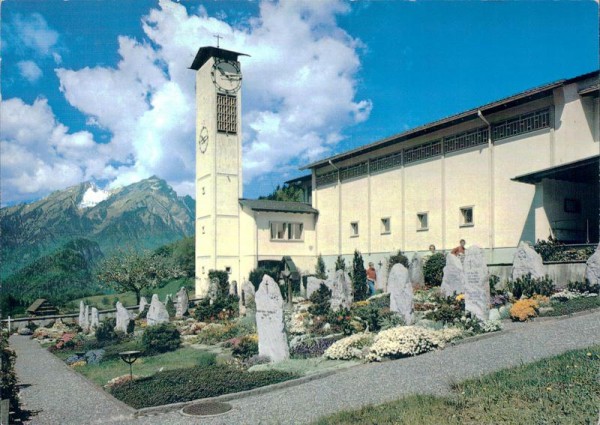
(560,390)
(147,365)
(103,302)
(573,306)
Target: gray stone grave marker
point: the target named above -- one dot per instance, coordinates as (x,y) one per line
(477,286)
(272,339)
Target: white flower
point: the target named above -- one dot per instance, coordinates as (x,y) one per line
(348,348)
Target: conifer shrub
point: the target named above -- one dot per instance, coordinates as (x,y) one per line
(161,338)
(105,332)
(433,269)
(256,275)
(359,277)
(320,272)
(321,301)
(397,258)
(340,263)
(222,308)
(526,286)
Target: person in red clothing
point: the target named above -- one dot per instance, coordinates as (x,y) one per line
(371,278)
(459,250)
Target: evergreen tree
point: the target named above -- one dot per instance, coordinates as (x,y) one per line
(320,268)
(340,264)
(359,277)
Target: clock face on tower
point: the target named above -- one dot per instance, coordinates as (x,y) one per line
(227,76)
(203,140)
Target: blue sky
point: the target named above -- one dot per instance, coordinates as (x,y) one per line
(100,90)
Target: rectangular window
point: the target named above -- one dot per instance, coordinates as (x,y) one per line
(466,217)
(226,114)
(287,231)
(422,221)
(354,229)
(386,228)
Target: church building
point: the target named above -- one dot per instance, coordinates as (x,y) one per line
(522,168)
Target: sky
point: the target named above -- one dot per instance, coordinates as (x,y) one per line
(100,90)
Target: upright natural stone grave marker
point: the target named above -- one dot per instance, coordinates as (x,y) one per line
(401,293)
(143,304)
(272,340)
(382,275)
(527,261)
(477,286)
(81,318)
(183,301)
(214,289)
(233,290)
(341,291)
(123,318)
(247,303)
(453,280)
(85,325)
(157,313)
(95,319)
(592,268)
(415,270)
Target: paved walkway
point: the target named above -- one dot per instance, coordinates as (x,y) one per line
(66,398)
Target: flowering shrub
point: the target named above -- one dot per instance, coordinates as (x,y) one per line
(523,310)
(584,287)
(78,363)
(245,347)
(214,333)
(313,347)
(404,341)
(498,301)
(350,347)
(491,326)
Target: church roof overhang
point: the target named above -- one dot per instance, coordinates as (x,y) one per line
(207,52)
(278,206)
(582,171)
(471,114)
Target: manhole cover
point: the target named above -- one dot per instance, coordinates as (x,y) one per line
(206,409)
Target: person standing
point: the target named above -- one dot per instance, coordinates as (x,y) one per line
(460,249)
(371,278)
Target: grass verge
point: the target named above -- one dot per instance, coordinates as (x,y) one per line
(572,306)
(559,390)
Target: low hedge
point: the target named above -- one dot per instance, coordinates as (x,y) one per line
(175,386)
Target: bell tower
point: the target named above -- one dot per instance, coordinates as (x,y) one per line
(218,163)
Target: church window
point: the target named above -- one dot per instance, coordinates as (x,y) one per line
(466,217)
(386,228)
(354,229)
(281,231)
(226,113)
(422,221)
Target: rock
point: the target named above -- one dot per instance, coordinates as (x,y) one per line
(272,339)
(25,331)
(247,302)
(157,313)
(495,314)
(94,319)
(527,261)
(341,291)
(477,283)
(453,280)
(382,275)
(401,293)
(312,285)
(183,302)
(544,310)
(94,356)
(81,319)
(143,304)
(214,289)
(592,268)
(86,320)
(505,311)
(415,270)
(233,288)
(123,318)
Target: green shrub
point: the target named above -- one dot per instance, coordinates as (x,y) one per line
(170,306)
(174,386)
(583,287)
(206,359)
(223,308)
(105,332)
(398,258)
(215,333)
(433,269)
(340,263)
(341,322)
(321,301)
(359,277)
(448,311)
(389,319)
(8,379)
(245,347)
(526,286)
(223,278)
(320,268)
(554,250)
(369,314)
(161,338)
(494,280)
(257,274)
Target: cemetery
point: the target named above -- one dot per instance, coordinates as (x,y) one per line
(228,342)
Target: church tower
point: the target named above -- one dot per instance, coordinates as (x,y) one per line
(218,163)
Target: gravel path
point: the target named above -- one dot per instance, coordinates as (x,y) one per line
(431,373)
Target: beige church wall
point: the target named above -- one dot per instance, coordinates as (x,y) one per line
(279,248)
(515,203)
(227,195)
(227,236)
(227,160)
(247,243)
(575,122)
(423,193)
(467,184)
(326,201)
(355,205)
(386,201)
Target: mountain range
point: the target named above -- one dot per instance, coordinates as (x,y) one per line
(143,215)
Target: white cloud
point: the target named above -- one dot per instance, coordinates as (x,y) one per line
(33,32)
(299,95)
(29,70)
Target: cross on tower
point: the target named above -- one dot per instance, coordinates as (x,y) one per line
(218,37)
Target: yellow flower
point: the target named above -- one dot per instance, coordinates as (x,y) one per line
(524,309)
(460,297)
